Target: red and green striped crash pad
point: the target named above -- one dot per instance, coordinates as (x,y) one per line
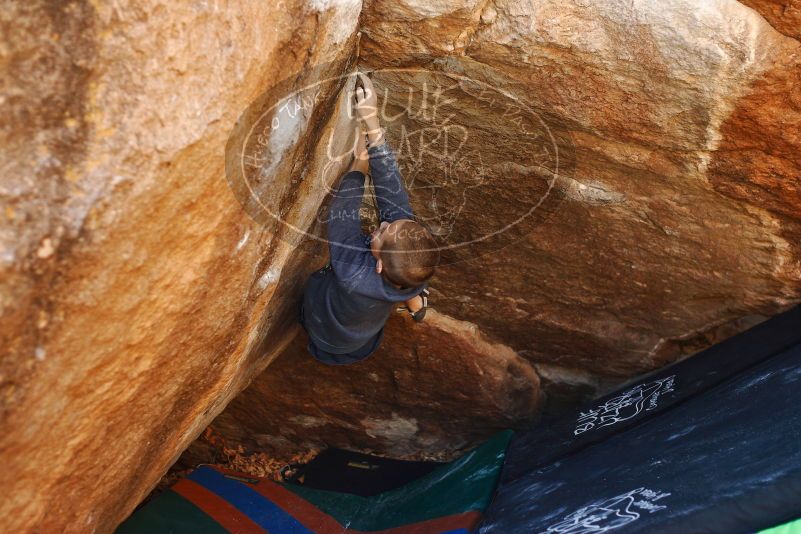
(450,499)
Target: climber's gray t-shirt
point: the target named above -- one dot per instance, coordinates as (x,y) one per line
(345,307)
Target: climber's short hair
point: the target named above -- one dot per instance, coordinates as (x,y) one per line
(409,254)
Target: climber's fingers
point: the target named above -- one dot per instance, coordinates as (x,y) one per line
(364,86)
(358,101)
(363,98)
(365,102)
(365,82)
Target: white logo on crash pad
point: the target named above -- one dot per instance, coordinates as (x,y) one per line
(625,406)
(609,514)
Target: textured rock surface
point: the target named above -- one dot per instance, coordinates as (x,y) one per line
(133,285)
(431,389)
(616,183)
(784,15)
(679,212)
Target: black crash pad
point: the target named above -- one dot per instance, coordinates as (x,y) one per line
(360,474)
(651,395)
(712,444)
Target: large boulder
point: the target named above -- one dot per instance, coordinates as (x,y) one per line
(430,390)
(614,184)
(673,215)
(137,295)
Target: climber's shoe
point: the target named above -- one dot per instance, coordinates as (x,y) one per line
(420,314)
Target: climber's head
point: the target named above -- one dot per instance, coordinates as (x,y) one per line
(405,251)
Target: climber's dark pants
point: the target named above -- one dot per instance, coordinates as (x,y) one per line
(340,359)
(344,359)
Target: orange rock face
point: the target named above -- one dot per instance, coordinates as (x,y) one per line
(758,161)
(635,258)
(136,292)
(431,389)
(784,15)
(669,222)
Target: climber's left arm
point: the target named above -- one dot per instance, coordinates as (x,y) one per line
(390,192)
(345,237)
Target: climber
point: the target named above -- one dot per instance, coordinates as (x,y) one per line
(347,302)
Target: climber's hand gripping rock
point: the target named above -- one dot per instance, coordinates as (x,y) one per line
(366,107)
